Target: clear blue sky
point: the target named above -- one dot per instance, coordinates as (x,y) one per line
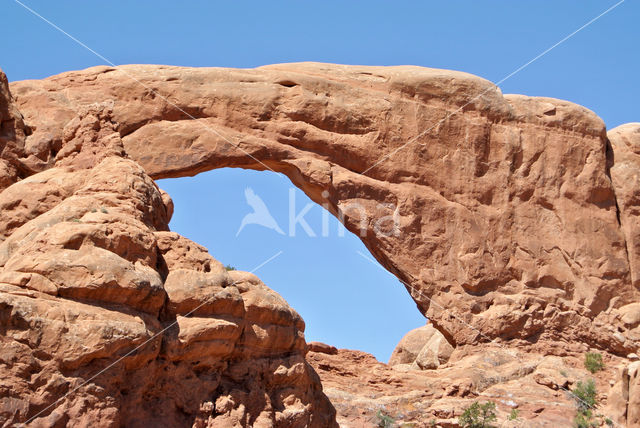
(345,300)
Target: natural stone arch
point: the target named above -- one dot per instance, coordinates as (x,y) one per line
(507,214)
(325,275)
(111,309)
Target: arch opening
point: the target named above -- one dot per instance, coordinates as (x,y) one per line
(324,271)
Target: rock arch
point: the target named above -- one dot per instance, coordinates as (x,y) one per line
(508,217)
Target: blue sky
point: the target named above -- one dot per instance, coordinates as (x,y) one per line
(345,300)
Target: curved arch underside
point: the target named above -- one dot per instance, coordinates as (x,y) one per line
(509,224)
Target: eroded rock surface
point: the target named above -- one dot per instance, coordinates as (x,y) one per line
(13,132)
(536,385)
(109,319)
(625,173)
(507,218)
(511,220)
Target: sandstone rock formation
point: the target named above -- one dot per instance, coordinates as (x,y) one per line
(535,384)
(423,348)
(632,375)
(109,319)
(411,344)
(508,220)
(12,137)
(511,220)
(625,173)
(434,353)
(624,398)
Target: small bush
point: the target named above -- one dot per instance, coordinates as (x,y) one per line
(514,414)
(384,421)
(229,267)
(593,362)
(103,210)
(585,394)
(584,419)
(478,415)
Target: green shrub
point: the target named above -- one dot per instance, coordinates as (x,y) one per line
(384,421)
(478,415)
(584,419)
(514,414)
(585,394)
(229,267)
(593,362)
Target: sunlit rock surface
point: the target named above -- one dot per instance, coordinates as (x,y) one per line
(509,219)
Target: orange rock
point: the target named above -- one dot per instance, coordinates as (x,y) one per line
(13,132)
(423,348)
(322,348)
(109,319)
(435,352)
(507,218)
(633,403)
(497,212)
(411,344)
(537,385)
(625,173)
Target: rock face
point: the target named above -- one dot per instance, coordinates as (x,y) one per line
(511,220)
(507,220)
(537,385)
(624,397)
(109,319)
(633,399)
(625,174)
(12,137)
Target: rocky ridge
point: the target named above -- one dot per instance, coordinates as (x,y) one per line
(426,384)
(511,220)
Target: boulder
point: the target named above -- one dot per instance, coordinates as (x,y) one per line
(434,353)
(411,344)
